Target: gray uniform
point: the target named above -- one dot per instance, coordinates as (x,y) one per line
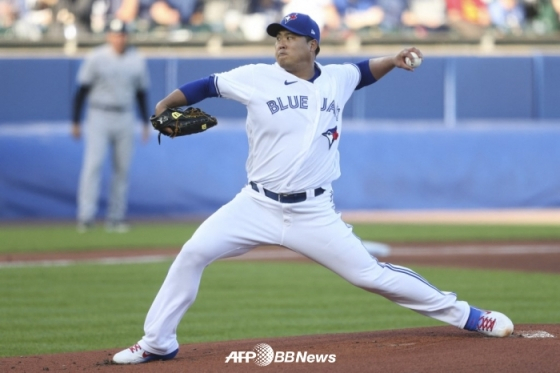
(113,80)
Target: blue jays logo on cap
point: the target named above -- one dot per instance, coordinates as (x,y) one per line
(298,23)
(332,135)
(289,17)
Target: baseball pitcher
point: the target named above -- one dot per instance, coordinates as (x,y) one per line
(294,126)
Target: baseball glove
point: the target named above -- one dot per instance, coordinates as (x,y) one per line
(182,123)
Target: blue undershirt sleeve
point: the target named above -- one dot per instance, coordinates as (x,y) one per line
(199,90)
(367,76)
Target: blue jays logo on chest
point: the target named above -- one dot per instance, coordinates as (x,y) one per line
(332,135)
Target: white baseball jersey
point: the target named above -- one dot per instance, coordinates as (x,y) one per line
(114,79)
(293,125)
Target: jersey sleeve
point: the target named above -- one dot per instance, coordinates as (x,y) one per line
(86,73)
(349,77)
(144,81)
(237,84)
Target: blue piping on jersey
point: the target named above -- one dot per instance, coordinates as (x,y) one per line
(215,81)
(317,73)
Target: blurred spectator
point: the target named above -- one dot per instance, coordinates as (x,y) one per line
(469,18)
(8,13)
(83,12)
(425,16)
(146,14)
(35,16)
(324,12)
(258,15)
(273,7)
(247,19)
(392,14)
(385,15)
(177,12)
(223,15)
(127,10)
(359,14)
(543,16)
(508,16)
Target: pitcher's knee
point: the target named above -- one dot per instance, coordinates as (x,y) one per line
(367,281)
(192,254)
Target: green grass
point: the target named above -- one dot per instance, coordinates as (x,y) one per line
(63,237)
(406,233)
(91,307)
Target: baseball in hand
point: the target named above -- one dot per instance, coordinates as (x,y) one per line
(415,61)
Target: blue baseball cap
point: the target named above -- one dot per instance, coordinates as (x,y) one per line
(298,23)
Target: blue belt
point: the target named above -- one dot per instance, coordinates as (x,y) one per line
(286,198)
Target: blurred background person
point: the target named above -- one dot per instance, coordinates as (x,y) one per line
(425,16)
(381,15)
(177,13)
(257,15)
(324,12)
(9,11)
(223,16)
(112,76)
(146,15)
(360,14)
(468,18)
(542,16)
(507,16)
(34,18)
(392,14)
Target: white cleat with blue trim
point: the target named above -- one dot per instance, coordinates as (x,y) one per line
(137,355)
(489,323)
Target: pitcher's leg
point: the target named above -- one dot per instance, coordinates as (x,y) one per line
(330,242)
(179,291)
(233,230)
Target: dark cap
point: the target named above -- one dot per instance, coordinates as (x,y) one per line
(117,26)
(298,23)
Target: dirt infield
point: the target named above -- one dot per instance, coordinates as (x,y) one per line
(436,349)
(532,348)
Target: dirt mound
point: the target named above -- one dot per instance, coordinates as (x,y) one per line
(532,348)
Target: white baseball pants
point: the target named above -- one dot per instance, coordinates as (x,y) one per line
(312,228)
(106,132)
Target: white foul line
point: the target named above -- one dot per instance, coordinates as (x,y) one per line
(282,253)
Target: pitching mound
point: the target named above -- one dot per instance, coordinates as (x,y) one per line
(532,348)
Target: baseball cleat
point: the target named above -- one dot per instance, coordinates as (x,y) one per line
(137,355)
(83,227)
(489,323)
(117,227)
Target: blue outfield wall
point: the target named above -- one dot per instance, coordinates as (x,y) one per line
(443,89)
(382,168)
(459,132)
